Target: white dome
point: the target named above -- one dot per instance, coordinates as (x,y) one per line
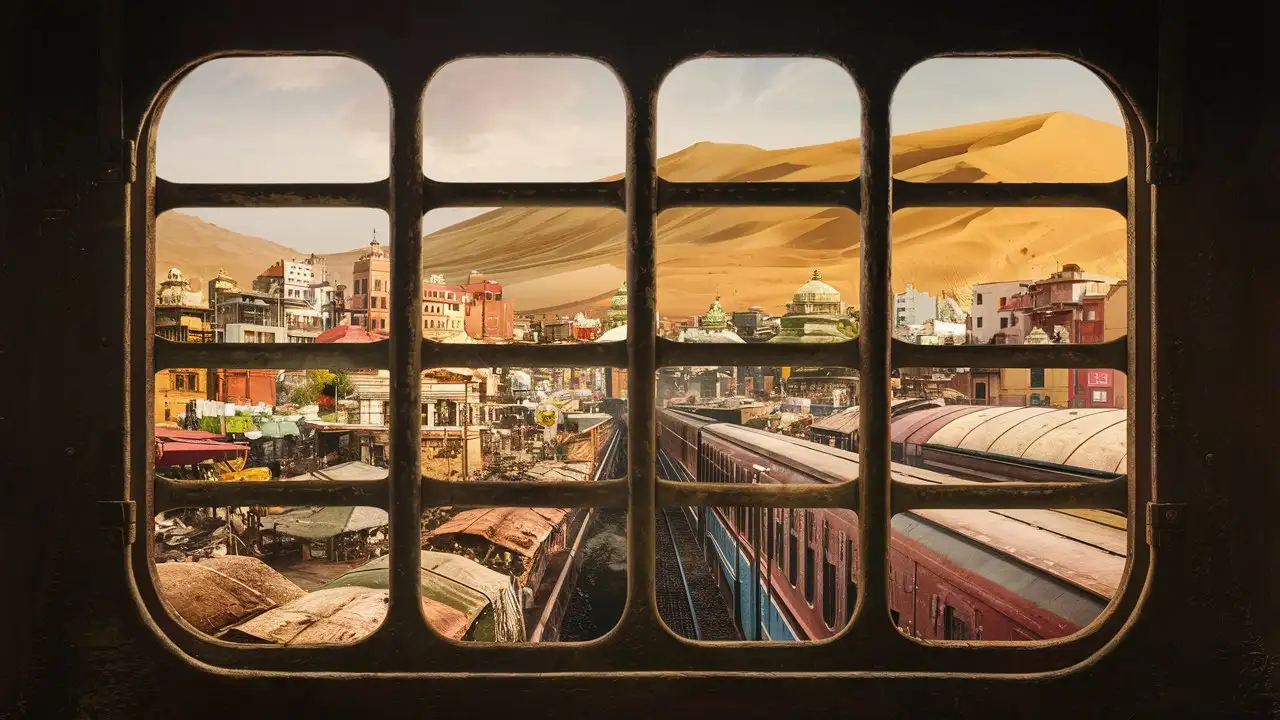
(816,291)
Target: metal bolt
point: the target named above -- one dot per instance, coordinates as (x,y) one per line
(1170,514)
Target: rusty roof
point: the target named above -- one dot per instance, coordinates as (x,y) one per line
(1093,438)
(520,530)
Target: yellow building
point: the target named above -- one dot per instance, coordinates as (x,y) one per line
(1115,324)
(180,316)
(1047,387)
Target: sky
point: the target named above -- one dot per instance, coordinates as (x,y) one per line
(326,119)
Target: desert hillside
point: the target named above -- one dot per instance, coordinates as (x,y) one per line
(551,258)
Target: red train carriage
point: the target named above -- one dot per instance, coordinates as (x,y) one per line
(954,574)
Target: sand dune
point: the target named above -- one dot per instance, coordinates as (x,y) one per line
(569,259)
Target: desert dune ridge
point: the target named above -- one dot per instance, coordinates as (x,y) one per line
(569,259)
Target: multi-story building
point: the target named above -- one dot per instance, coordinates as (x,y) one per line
(992,313)
(181,316)
(371,292)
(487,314)
(1070,306)
(322,295)
(250,316)
(442,315)
(913,307)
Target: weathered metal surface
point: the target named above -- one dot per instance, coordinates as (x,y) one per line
(871,622)
(172,195)
(169,354)
(1093,495)
(1112,195)
(603,493)
(578,355)
(709,194)
(678,354)
(1113,354)
(174,494)
(526,194)
(518,529)
(694,494)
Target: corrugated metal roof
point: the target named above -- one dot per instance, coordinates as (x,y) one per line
(520,530)
(320,523)
(336,616)
(1093,438)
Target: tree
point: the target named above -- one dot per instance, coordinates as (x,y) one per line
(322,382)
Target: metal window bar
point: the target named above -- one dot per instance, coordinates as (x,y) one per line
(407,195)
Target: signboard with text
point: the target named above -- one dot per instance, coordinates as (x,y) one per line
(1098,378)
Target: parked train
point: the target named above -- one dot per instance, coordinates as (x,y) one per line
(954,574)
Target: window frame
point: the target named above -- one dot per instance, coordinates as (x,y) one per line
(875,195)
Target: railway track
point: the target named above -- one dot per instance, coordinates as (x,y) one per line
(688,599)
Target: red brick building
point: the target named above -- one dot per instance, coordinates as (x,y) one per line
(245,387)
(487,315)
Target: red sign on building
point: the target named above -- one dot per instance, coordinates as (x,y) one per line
(1098,378)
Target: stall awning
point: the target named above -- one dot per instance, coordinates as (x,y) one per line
(193,451)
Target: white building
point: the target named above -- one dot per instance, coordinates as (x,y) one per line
(248,333)
(991,313)
(913,307)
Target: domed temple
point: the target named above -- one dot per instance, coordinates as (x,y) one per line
(616,315)
(816,313)
(713,327)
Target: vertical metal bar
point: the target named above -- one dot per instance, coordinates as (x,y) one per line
(404,615)
(642,209)
(874,343)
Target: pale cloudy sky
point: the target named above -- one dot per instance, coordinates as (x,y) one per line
(326,119)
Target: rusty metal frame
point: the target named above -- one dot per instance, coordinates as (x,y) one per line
(405,643)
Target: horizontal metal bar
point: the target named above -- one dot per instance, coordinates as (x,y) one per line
(678,354)
(174,494)
(763,194)
(170,195)
(1111,195)
(275,356)
(515,194)
(570,494)
(1113,354)
(436,354)
(695,494)
(1092,495)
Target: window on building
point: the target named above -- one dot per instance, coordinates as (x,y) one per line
(978,299)
(1037,377)
(980,391)
(1091,315)
(1004,322)
(1100,396)
(978,321)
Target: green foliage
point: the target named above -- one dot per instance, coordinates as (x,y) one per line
(304,394)
(322,382)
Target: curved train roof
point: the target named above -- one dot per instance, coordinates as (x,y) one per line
(1086,552)
(1092,438)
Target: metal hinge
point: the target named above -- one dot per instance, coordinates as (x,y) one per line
(1164,519)
(119,515)
(120,163)
(1165,166)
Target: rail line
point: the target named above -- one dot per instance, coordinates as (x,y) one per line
(675,601)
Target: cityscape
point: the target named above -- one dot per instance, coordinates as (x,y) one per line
(554,276)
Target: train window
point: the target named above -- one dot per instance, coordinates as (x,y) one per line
(953,626)
(835,201)
(828,578)
(793,559)
(810,573)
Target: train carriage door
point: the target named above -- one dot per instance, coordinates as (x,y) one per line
(902,591)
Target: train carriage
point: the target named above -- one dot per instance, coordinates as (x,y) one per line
(954,574)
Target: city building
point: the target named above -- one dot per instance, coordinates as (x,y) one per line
(816,314)
(1115,325)
(442,314)
(616,315)
(713,327)
(1070,306)
(754,325)
(585,328)
(323,296)
(913,307)
(181,316)
(992,314)
(1045,387)
(488,315)
(370,304)
(248,316)
(245,387)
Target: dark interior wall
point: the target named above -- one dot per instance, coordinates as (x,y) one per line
(76,645)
